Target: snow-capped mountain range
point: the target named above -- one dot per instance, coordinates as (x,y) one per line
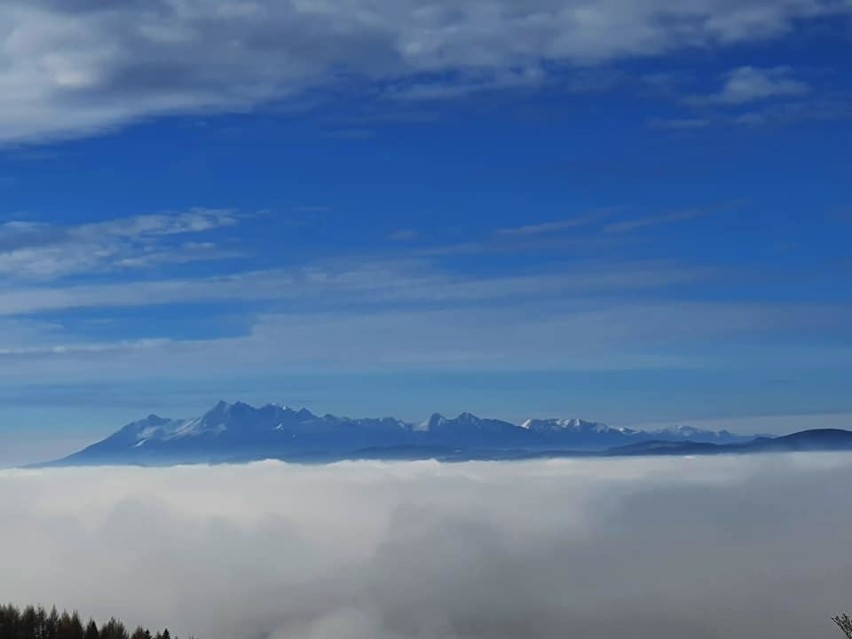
(240,432)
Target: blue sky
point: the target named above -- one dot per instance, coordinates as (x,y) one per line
(623,211)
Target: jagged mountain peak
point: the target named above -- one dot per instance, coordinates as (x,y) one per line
(152,421)
(435,419)
(239,430)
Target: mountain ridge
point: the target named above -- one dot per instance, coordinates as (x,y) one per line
(239,431)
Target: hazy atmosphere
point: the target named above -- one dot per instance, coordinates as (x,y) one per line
(630,212)
(425,319)
(652,549)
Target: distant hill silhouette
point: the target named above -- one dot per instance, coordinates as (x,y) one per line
(825,439)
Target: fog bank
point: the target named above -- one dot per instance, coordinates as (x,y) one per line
(642,548)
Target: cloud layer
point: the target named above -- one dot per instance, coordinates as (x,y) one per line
(662,549)
(93,301)
(69,68)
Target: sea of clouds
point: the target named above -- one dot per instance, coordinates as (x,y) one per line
(643,548)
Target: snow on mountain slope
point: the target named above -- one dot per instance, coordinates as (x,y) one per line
(570,425)
(240,431)
(692,434)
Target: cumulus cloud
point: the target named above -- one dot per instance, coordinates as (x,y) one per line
(651,548)
(69,68)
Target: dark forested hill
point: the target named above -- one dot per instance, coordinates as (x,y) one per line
(38,623)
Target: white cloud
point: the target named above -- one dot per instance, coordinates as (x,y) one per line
(650,548)
(345,315)
(547,228)
(121,346)
(679,124)
(345,283)
(467,83)
(52,251)
(403,235)
(582,334)
(750,84)
(399,315)
(654,220)
(72,68)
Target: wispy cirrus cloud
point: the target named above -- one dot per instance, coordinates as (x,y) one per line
(459,319)
(749,84)
(347,283)
(680,124)
(547,228)
(121,346)
(407,314)
(826,107)
(582,334)
(654,220)
(49,251)
(403,235)
(463,84)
